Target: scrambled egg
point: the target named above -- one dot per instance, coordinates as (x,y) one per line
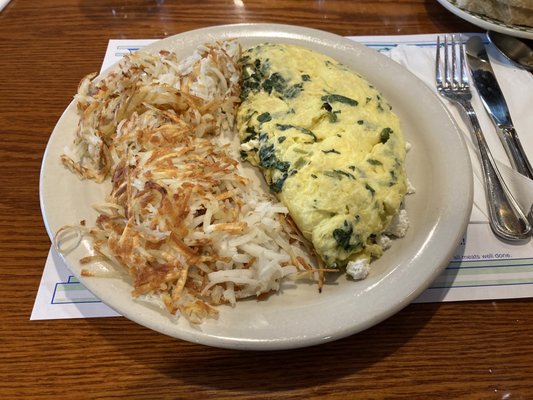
(329,146)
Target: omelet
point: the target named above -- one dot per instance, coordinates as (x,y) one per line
(329,146)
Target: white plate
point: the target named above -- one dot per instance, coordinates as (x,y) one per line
(438,165)
(488,23)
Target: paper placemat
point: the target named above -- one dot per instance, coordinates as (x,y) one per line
(482,268)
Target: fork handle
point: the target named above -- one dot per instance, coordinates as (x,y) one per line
(505,217)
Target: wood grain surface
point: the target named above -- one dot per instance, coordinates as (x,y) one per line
(470,350)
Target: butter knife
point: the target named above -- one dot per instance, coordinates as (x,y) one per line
(495,105)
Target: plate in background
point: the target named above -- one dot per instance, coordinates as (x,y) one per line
(488,23)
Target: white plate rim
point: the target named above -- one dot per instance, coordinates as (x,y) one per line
(443,236)
(487,22)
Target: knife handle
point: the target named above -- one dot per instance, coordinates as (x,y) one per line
(515,151)
(506,219)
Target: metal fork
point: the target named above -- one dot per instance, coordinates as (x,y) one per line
(506,219)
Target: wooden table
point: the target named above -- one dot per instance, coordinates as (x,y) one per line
(471,350)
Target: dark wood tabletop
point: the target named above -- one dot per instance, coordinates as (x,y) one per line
(466,350)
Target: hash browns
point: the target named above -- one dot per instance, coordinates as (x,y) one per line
(182,218)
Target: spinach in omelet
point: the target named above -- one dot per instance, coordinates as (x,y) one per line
(328,145)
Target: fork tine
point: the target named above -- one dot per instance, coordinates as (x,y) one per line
(464,72)
(438,69)
(456,70)
(446,63)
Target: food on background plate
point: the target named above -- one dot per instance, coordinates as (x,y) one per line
(331,148)
(516,12)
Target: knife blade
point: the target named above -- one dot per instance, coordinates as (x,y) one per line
(495,104)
